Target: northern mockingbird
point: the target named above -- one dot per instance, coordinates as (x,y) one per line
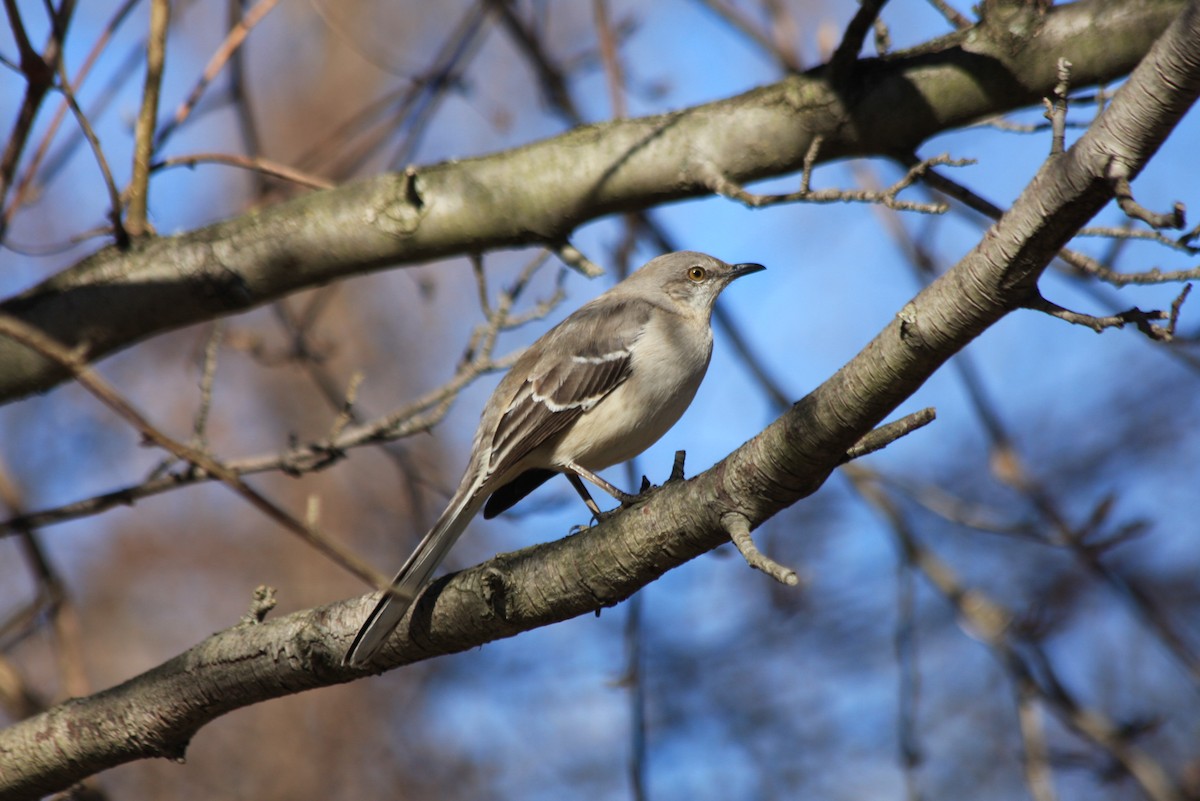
(597,389)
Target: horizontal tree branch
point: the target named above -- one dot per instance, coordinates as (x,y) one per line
(539,194)
(155,714)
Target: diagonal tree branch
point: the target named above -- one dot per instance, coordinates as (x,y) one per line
(539,194)
(156,713)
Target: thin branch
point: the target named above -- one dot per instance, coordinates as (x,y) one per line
(613,73)
(784,34)
(886,434)
(738,527)
(810,161)
(233,40)
(1176,307)
(992,623)
(1136,316)
(21,193)
(569,255)
(1154,275)
(120,232)
(883,37)
(909,692)
(721,185)
(952,14)
(551,81)
(137,221)
(1124,233)
(1038,776)
(38,71)
(1010,126)
(1056,109)
(633,679)
(780,46)
(1079,261)
(207,377)
(239,97)
(258,165)
(1118,175)
(74,361)
(435,84)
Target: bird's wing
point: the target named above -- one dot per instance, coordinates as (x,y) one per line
(581,361)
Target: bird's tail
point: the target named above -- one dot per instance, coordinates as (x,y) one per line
(413,576)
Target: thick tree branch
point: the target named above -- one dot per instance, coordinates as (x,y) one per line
(156,713)
(540,193)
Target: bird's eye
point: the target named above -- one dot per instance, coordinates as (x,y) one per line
(697,273)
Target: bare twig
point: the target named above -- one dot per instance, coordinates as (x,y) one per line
(784,34)
(1154,275)
(780,46)
(810,161)
(1038,776)
(888,197)
(144,140)
(737,526)
(1056,109)
(346,414)
(207,376)
(258,165)
(435,84)
(76,364)
(239,98)
(991,623)
(120,233)
(883,37)
(888,433)
(1118,176)
(1136,316)
(1079,261)
(21,193)
(1010,126)
(612,62)
(552,82)
(909,691)
(1124,233)
(261,604)
(1176,306)
(950,13)
(233,40)
(572,257)
(633,680)
(38,70)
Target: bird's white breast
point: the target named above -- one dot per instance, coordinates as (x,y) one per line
(668,363)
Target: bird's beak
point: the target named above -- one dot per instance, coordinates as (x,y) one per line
(745,269)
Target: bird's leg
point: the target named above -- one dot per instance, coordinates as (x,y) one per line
(583,493)
(624,497)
